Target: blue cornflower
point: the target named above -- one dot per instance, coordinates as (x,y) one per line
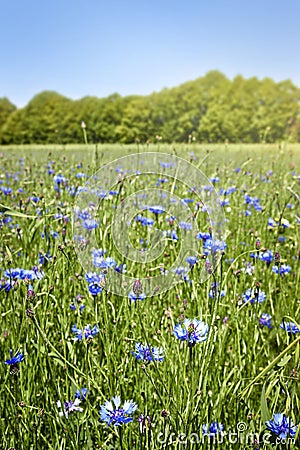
(271,223)
(100,193)
(252,295)
(108,263)
(13,273)
(73,307)
(224,202)
(58,179)
(203,236)
(284,223)
(94,288)
(230,190)
(252,201)
(191,260)
(205,208)
(138,296)
(81,175)
(265,320)
(171,233)
(186,225)
(14,360)
(290,327)
(266,256)
(282,426)
(34,274)
(34,199)
(213,429)
(249,269)
(84,215)
(93,277)
(113,414)
(167,165)
(148,354)
(121,268)
(193,331)
(281,239)
(187,200)
(156,209)
(44,259)
(6,190)
(90,224)
(282,270)
(7,285)
(87,332)
(145,221)
(98,252)
(213,246)
(256,205)
(182,272)
(69,407)
(214,289)
(81,394)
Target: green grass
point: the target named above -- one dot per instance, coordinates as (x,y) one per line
(235,376)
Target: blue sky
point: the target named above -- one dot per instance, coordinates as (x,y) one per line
(96,47)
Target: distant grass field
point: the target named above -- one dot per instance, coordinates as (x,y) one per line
(223,389)
(221,150)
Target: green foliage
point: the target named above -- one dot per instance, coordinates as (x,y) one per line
(211,108)
(6,108)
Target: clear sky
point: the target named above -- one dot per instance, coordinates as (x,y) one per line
(96,47)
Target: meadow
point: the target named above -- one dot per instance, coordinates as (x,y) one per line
(198,362)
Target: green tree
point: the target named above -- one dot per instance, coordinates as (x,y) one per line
(211,108)
(6,108)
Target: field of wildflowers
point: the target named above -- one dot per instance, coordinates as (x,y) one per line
(179,360)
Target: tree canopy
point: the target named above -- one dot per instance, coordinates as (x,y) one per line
(211,108)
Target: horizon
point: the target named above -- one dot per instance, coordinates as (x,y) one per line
(150,93)
(81,49)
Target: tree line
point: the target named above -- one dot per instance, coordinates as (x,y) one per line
(211,108)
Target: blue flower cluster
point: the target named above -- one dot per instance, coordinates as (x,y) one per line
(22,274)
(283,269)
(253,202)
(88,333)
(253,295)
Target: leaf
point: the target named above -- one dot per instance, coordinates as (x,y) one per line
(265,414)
(284,361)
(57,359)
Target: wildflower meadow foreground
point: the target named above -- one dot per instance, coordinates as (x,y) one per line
(150,301)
